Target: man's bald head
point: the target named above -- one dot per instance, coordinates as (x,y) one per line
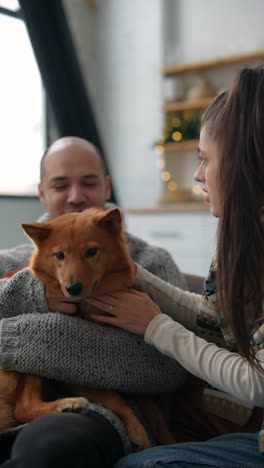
(71,143)
(73,177)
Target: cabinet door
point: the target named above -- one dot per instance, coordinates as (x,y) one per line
(190,237)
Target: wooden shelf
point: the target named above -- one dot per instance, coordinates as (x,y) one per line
(169,70)
(180,106)
(187,145)
(186,197)
(177,196)
(177,207)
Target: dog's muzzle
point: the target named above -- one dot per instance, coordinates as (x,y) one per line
(74,289)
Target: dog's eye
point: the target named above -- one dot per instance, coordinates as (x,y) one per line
(60,255)
(91,252)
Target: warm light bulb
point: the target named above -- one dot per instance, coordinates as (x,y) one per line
(160,140)
(159,149)
(172,186)
(177,136)
(166,176)
(176,122)
(160,164)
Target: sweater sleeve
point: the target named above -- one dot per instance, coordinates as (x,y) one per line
(14,257)
(156,260)
(221,368)
(70,349)
(21,294)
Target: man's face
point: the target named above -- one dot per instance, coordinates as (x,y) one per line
(73,179)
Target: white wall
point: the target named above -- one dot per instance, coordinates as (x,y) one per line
(13,212)
(205,29)
(121,57)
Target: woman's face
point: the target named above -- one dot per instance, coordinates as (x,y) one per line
(207,172)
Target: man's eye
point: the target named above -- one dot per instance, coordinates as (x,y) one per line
(59,187)
(60,255)
(91,252)
(90,184)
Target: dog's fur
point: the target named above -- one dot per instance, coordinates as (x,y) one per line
(80,255)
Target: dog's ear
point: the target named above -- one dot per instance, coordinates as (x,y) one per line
(110,220)
(37,231)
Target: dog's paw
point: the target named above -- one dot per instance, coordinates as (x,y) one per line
(69,404)
(138,437)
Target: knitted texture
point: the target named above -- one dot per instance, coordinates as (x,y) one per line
(73,350)
(15,256)
(70,349)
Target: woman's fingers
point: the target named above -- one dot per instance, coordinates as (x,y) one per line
(131,310)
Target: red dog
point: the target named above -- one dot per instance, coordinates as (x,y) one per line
(81,255)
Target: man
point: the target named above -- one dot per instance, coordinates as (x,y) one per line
(67,348)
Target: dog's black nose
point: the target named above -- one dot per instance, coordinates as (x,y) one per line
(74,289)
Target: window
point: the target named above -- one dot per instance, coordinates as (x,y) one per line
(22,106)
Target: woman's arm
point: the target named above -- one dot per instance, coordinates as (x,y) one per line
(224,370)
(136,312)
(182,306)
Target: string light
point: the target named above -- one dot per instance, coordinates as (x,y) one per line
(180,127)
(159,149)
(161,164)
(177,136)
(175,122)
(166,176)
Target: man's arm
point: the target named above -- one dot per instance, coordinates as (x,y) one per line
(14,257)
(70,349)
(156,260)
(21,294)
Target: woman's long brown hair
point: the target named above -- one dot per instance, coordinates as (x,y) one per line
(235,121)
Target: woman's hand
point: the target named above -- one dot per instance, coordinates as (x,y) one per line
(131,310)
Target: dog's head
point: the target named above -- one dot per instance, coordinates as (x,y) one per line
(82,254)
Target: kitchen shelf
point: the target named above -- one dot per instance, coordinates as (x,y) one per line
(169,70)
(183,194)
(177,207)
(187,145)
(181,106)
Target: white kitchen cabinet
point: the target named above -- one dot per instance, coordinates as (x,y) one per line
(189,237)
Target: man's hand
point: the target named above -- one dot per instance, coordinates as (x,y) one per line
(59,303)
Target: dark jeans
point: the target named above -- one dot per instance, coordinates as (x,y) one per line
(64,440)
(227,451)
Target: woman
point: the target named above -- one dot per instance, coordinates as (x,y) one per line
(218,337)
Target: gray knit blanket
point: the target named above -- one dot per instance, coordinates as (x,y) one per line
(69,349)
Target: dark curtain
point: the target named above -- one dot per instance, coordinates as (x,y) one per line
(52,43)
